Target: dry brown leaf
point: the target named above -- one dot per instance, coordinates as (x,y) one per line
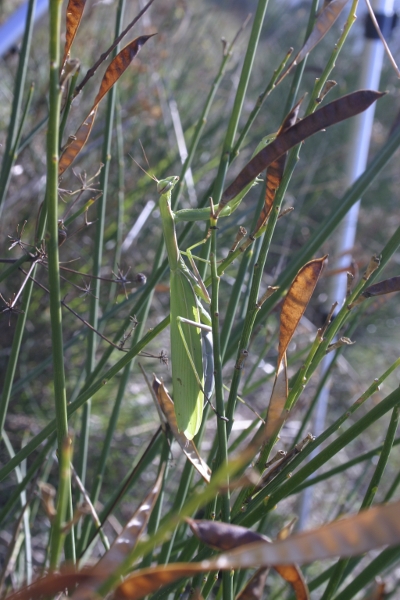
(119,64)
(123,543)
(387,286)
(278,398)
(112,74)
(350,536)
(76,144)
(75,10)
(334,112)
(167,406)
(324,22)
(296,301)
(275,171)
(225,536)
(146,581)
(254,588)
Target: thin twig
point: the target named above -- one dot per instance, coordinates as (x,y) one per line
(379,32)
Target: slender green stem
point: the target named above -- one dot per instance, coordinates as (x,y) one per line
(253,309)
(20,79)
(294,88)
(260,101)
(227,580)
(14,354)
(68,102)
(239,99)
(63,500)
(98,254)
(219,389)
(35,466)
(239,281)
(347,465)
(154,520)
(201,123)
(51,208)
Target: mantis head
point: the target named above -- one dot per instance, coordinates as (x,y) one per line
(167,184)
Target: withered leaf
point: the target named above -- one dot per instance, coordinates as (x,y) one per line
(52,583)
(75,10)
(275,171)
(114,71)
(293,575)
(387,286)
(296,301)
(146,581)
(278,398)
(76,144)
(167,406)
(334,112)
(119,64)
(254,588)
(225,536)
(324,22)
(123,543)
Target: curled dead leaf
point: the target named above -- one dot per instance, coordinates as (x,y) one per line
(167,406)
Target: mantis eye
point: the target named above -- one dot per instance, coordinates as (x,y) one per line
(166,185)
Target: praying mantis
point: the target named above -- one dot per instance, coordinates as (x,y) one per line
(187,315)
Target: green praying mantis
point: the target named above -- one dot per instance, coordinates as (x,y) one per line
(188,318)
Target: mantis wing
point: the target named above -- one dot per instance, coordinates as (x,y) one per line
(186,355)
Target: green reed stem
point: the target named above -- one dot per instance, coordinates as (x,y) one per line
(20,79)
(226,157)
(98,255)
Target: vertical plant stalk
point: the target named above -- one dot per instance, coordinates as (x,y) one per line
(98,254)
(252,310)
(25,518)
(239,99)
(63,501)
(54,273)
(52,210)
(227,580)
(154,520)
(53,265)
(294,88)
(8,157)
